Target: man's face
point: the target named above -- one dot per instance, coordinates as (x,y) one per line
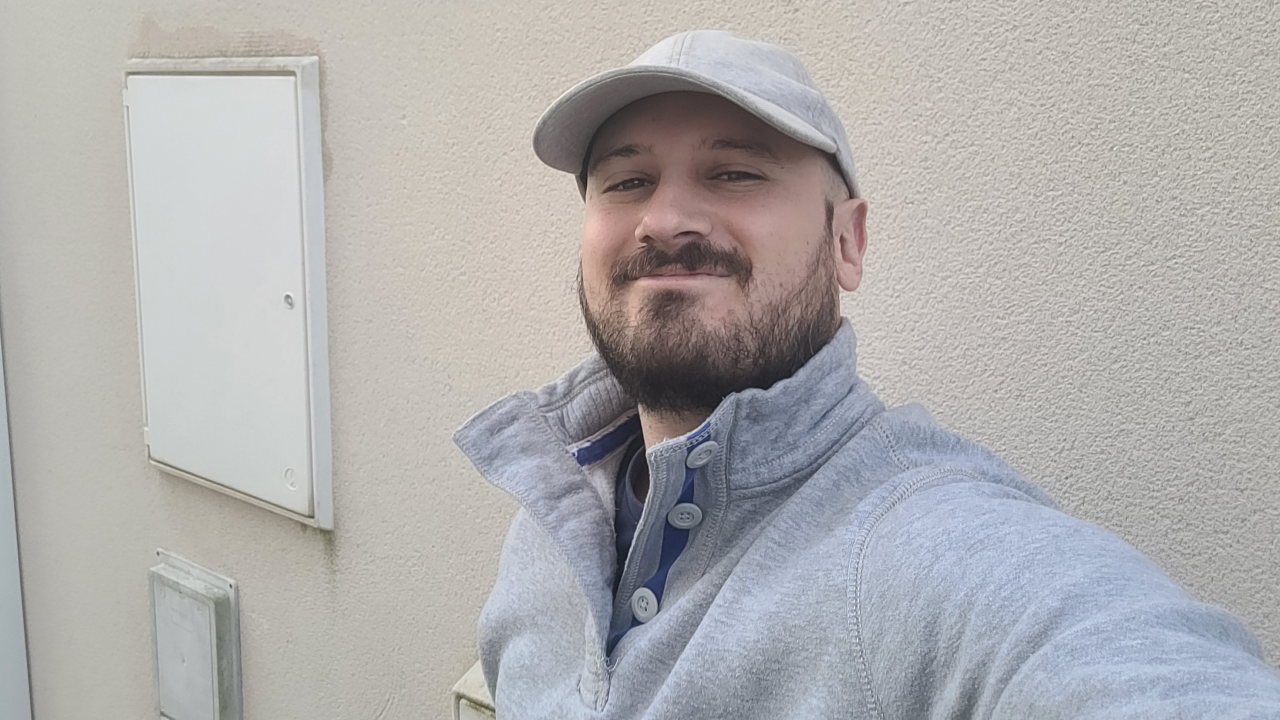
(710,256)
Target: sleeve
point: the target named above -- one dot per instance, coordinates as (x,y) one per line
(969,601)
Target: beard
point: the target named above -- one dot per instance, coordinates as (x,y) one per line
(672,362)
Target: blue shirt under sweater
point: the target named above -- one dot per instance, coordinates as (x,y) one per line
(626,506)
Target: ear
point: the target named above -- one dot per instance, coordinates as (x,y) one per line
(849,231)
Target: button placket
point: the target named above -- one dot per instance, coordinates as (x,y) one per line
(661,471)
(645,602)
(686,515)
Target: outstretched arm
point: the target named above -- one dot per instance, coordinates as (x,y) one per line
(973,602)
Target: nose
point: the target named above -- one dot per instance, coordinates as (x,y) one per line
(673,216)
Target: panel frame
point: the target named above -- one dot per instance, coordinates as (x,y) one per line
(15,680)
(306,71)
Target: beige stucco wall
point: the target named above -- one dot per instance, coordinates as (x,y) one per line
(1073,259)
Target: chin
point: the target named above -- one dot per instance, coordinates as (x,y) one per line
(679,305)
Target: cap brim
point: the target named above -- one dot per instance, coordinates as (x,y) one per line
(563,132)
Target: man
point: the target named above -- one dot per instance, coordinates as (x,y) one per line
(720,520)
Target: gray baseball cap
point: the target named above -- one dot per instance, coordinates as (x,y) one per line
(763,79)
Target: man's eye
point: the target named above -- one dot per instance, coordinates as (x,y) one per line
(738,176)
(628,184)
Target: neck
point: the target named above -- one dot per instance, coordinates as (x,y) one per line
(658,426)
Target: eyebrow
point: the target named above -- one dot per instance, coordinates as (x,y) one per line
(755,148)
(622,151)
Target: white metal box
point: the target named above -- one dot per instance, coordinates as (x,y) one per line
(225,181)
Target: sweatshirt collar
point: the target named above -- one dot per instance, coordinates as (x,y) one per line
(539,446)
(775,433)
(765,434)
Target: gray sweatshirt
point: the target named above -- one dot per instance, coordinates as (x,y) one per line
(808,553)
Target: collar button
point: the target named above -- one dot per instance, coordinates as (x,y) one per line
(685,516)
(702,454)
(644,605)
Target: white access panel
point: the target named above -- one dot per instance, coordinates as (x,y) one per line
(227,198)
(195,615)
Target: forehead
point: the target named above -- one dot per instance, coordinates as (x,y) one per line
(688,117)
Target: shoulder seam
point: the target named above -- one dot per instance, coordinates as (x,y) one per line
(878,427)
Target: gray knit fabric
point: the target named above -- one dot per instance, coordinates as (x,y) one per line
(852,562)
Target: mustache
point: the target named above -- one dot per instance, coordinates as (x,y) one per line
(693,256)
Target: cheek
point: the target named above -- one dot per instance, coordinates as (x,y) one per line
(602,245)
(780,252)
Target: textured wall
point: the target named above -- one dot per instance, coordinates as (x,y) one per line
(1073,260)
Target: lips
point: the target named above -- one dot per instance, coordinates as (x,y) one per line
(681,272)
